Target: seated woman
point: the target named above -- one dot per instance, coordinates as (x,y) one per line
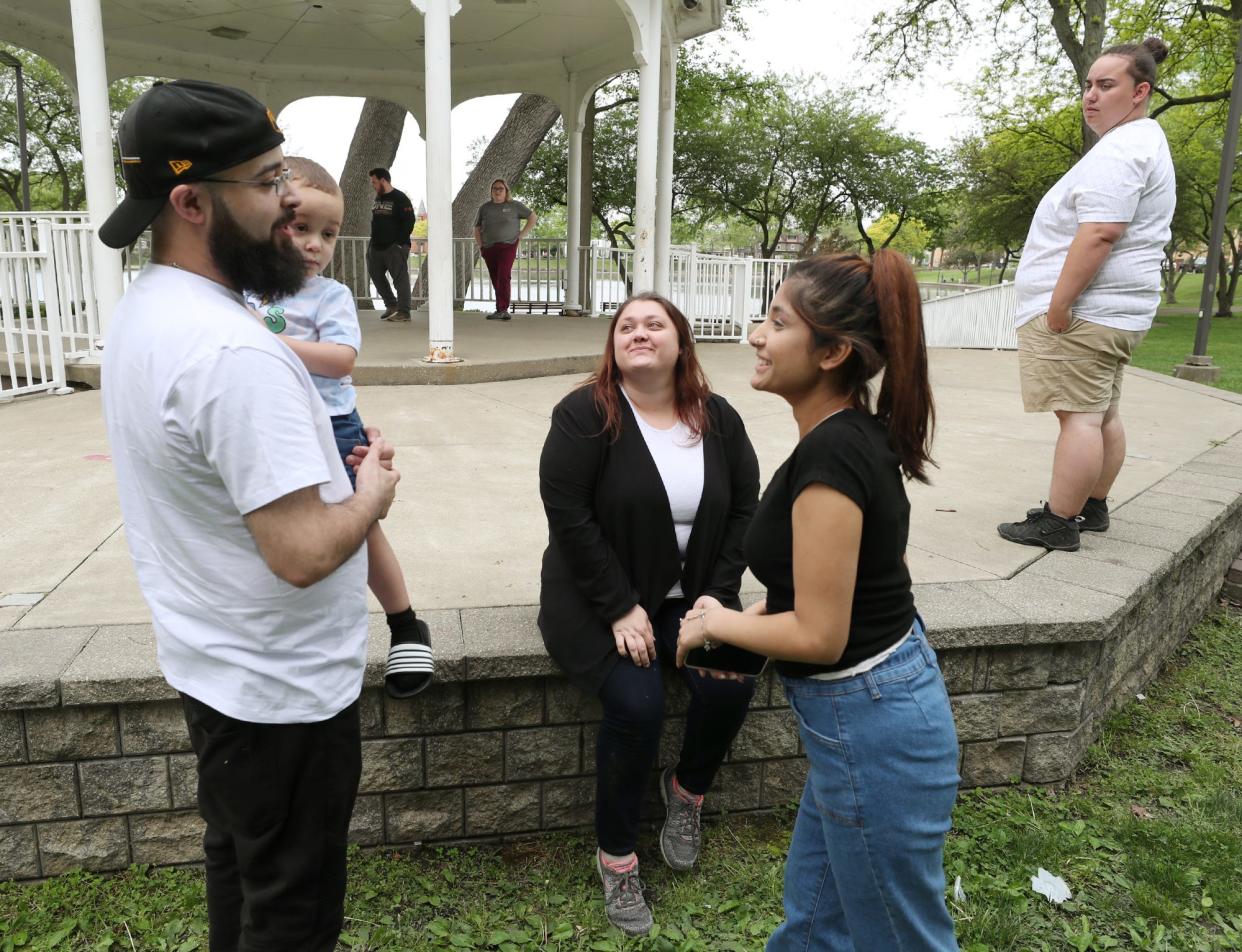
(649,481)
(865,867)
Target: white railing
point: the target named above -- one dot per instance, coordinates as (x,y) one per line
(981,318)
(72,253)
(720,294)
(932,290)
(33,358)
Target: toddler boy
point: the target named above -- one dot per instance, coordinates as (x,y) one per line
(320,325)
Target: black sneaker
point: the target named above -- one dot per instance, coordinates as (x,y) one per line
(1093,518)
(388,313)
(495,316)
(504,315)
(1044,528)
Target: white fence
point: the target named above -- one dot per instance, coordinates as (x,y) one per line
(981,318)
(49,313)
(30,307)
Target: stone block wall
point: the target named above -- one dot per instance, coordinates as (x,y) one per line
(102,786)
(96,773)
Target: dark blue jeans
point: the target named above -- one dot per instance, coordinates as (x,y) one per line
(629,736)
(866,864)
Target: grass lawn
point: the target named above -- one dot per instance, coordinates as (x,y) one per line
(1149,838)
(1172,337)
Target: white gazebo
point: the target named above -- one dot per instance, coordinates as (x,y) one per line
(426,55)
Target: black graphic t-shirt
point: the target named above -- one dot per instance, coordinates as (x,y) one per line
(392,219)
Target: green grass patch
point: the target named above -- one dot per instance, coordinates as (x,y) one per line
(1172,337)
(1149,838)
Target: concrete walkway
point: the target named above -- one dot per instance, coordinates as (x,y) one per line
(468,526)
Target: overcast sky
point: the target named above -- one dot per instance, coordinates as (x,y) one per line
(809,38)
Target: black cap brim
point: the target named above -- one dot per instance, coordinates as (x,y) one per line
(130,220)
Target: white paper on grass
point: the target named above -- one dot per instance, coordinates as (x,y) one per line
(1054,888)
(959,894)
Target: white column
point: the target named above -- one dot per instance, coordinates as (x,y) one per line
(575,120)
(664,164)
(648,132)
(437,15)
(91,75)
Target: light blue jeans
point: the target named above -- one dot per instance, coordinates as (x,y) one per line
(865,871)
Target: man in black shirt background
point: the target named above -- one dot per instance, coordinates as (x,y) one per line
(388,252)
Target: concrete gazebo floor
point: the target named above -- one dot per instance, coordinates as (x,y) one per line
(468,526)
(529,345)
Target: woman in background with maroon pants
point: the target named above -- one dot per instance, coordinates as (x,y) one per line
(497,231)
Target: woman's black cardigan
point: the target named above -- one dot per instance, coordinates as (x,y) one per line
(611,540)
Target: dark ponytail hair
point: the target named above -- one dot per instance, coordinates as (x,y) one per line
(1143,59)
(873,307)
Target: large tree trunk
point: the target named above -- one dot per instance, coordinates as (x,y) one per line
(1081,53)
(375,142)
(506,156)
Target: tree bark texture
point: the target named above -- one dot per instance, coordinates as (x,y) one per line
(506,156)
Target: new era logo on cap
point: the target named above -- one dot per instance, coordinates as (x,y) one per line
(177,132)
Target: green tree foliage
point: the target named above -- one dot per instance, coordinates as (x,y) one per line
(910,237)
(783,159)
(52,131)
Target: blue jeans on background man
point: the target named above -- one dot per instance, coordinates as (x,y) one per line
(877,805)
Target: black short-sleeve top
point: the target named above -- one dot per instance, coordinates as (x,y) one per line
(848,452)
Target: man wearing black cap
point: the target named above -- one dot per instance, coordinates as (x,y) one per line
(245,535)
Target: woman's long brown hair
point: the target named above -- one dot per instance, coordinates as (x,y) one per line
(874,307)
(690,386)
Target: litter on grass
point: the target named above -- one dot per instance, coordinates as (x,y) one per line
(959,894)
(1054,888)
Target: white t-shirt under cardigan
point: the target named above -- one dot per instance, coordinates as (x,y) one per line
(1126,177)
(679,458)
(211,417)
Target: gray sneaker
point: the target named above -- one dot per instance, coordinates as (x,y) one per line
(680,838)
(623,899)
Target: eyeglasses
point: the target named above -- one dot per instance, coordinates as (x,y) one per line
(278,184)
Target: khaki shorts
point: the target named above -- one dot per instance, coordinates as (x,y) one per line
(1079,370)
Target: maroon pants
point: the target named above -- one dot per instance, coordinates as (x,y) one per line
(499,258)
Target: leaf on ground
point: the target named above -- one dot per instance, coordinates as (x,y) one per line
(1140,812)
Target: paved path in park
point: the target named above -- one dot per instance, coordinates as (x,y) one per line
(468,526)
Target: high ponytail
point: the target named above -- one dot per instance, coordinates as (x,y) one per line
(874,307)
(905,404)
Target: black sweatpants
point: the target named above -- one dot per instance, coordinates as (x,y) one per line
(277,799)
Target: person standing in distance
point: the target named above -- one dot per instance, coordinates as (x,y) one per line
(246,537)
(1088,287)
(388,251)
(496,234)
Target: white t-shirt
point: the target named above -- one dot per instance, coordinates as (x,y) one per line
(678,456)
(211,417)
(1127,176)
(322,311)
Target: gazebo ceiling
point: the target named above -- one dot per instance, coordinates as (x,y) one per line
(287,50)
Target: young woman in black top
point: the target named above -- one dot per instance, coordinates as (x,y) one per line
(865,867)
(649,481)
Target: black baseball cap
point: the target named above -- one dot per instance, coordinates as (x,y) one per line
(183,131)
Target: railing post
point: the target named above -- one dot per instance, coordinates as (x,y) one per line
(51,299)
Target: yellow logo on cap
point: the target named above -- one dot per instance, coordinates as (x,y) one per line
(179,165)
(272,119)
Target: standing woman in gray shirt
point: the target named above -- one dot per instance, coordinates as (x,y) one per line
(496,233)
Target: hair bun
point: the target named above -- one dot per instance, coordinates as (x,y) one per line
(1158,49)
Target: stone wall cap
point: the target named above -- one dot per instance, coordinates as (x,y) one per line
(34,661)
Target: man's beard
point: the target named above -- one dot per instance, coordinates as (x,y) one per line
(269,267)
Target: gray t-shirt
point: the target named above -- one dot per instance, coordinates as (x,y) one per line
(500,221)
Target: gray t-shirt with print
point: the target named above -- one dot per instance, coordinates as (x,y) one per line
(500,221)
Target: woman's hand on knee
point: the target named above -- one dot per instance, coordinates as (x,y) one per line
(634,636)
